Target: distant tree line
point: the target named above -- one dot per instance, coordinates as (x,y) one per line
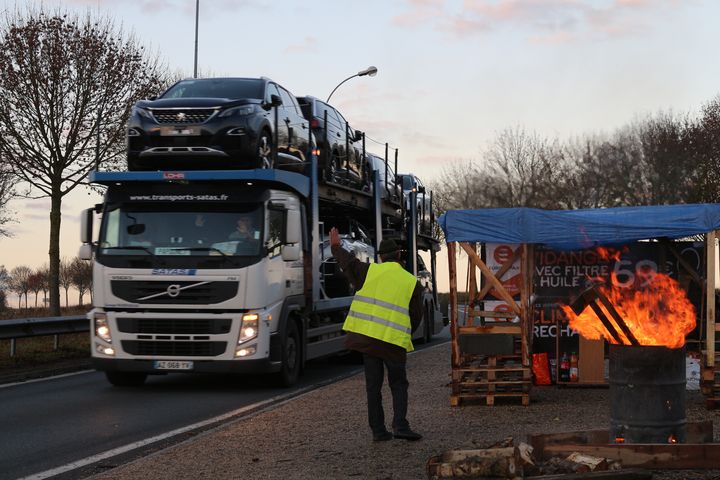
(662,159)
(24,281)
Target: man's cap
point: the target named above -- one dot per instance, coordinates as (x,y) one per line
(388,246)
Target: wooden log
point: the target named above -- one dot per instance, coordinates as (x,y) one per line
(556,465)
(504,462)
(696,432)
(593,463)
(624,474)
(678,456)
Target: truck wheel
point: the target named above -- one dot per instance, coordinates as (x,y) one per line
(126,379)
(265,150)
(291,356)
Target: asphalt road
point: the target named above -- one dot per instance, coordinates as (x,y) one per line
(48,424)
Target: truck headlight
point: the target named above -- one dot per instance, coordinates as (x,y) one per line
(104,349)
(102,329)
(249,327)
(245,351)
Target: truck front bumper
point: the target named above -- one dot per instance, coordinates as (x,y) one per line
(263,365)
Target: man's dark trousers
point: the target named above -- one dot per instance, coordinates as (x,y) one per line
(397,378)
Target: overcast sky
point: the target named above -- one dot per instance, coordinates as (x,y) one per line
(451,74)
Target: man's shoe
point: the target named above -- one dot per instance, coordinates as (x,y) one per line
(382,437)
(407,435)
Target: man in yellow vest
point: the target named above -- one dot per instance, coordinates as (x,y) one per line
(386,309)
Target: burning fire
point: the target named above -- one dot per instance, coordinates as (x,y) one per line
(654,308)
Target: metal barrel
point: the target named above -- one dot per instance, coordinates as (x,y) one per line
(647,394)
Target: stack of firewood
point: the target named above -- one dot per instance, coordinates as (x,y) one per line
(503,460)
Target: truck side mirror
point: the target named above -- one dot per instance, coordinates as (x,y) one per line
(292,227)
(85,252)
(290,253)
(275,100)
(358,136)
(86,225)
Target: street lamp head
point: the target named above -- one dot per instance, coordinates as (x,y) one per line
(370,71)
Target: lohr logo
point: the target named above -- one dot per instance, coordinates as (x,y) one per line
(173,175)
(174,271)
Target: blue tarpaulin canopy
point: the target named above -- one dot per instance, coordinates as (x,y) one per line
(575,229)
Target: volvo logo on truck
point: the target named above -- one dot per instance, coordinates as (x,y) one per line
(173,290)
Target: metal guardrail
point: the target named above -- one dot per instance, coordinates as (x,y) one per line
(41,326)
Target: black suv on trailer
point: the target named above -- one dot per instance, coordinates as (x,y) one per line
(218,123)
(340,155)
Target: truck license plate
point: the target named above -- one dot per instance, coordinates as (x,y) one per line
(172,365)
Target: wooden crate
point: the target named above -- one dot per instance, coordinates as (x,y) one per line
(490,360)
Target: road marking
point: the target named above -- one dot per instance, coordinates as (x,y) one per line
(35,380)
(254,408)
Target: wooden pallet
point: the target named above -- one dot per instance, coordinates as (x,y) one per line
(488,398)
(485,378)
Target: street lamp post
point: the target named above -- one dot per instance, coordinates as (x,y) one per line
(370,71)
(197,18)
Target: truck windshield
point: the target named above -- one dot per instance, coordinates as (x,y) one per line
(152,231)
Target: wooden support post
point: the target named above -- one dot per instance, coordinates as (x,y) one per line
(452,268)
(710,263)
(472,293)
(474,259)
(526,274)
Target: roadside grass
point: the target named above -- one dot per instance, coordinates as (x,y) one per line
(38,352)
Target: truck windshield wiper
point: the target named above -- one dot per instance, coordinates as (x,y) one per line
(201,249)
(131,247)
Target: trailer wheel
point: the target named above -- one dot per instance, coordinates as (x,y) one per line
(265,150)
(126,379)
(291,356)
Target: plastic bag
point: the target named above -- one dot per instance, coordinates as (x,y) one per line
(541,370)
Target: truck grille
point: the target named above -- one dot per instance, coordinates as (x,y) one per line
(184,116)
(175,326)
(188,293)
(180,349)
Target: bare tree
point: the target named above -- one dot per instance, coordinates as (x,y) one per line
(44,272)
(705,138)
(67,85)
(38,282)
(65,278)
(19,282)
(7,193)
(459,186)
(669,158)
(521,167)
(81,275)
(4,287)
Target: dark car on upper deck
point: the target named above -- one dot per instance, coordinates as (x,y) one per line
(214,123)
(340,151)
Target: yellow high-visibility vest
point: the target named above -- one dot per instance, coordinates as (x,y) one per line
(380,308)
